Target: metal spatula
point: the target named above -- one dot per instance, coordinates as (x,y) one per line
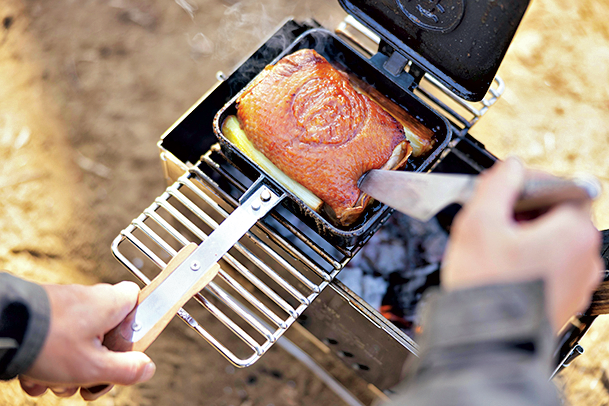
(423,195)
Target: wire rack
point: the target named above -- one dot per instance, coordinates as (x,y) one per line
(265,283)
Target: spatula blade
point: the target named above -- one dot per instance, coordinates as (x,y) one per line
(418,195)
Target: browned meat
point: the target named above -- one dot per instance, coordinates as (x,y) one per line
(304,115)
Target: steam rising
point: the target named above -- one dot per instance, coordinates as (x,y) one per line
(186,6)
(246,24)
(230,31)
(200,46)
(237,27)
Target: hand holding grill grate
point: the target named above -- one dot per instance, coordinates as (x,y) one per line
(73,356)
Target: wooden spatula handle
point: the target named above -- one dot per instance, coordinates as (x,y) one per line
(547,191)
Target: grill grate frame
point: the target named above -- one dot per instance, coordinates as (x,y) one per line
(296,278)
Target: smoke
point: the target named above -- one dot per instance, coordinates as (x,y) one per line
(186,6)
(200,46)
(245,25)
(228,31)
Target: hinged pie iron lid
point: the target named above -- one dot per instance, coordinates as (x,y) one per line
(460,42)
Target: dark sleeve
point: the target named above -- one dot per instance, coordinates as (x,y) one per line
(24,324)
(490,345)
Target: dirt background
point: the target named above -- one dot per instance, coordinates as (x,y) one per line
(87,87)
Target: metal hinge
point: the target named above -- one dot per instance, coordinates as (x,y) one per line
(462,113)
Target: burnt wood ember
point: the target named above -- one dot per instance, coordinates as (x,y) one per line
(403,258)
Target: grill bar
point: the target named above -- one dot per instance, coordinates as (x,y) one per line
(239,267)
(228,322)
(166,226)
(123,259)
(145,250)
(155,237)
(252,299)
(237,308)
(183,220)
(210,222)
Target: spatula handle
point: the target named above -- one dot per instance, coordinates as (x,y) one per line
(541,192)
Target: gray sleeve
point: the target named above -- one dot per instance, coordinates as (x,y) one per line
(489,345)
(24,324)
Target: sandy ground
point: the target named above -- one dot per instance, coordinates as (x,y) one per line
(87,87)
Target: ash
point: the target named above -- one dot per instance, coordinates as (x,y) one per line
(396,266)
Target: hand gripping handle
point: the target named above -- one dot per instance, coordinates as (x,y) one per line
(118,339)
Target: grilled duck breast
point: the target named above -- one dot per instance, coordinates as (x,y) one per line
(305,116)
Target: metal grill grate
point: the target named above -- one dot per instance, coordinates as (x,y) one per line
(266,281)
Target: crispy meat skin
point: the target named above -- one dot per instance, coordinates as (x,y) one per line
(304,115)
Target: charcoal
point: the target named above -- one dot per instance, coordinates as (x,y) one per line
(403,258)
(369,287)
(383,256)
